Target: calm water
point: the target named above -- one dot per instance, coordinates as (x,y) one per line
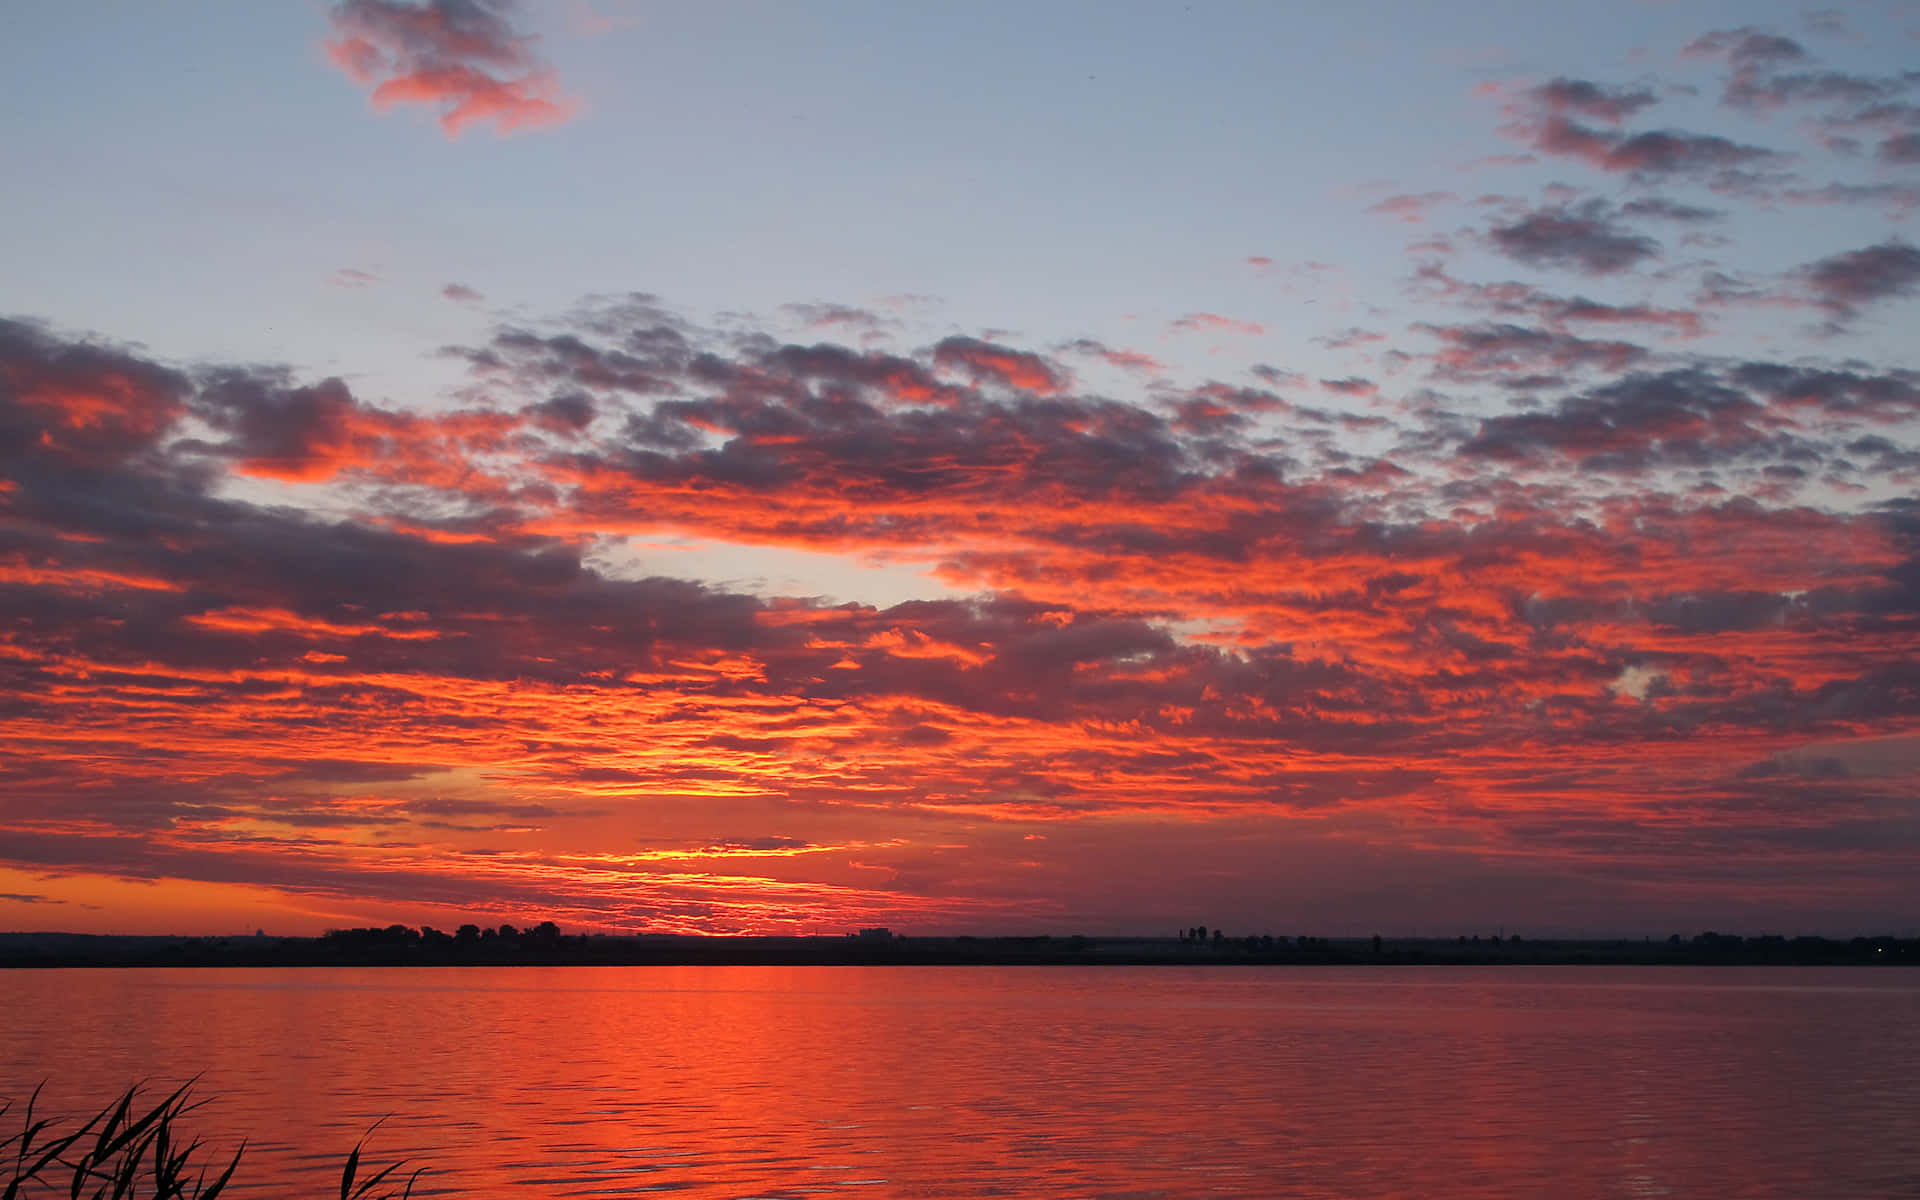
(1023,1082)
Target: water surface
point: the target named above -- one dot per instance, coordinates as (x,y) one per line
(1024,1082)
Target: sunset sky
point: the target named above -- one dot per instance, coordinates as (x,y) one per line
(1080,467)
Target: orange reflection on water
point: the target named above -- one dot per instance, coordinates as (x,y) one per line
(1020,1082)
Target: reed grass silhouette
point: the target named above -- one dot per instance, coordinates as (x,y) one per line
(130,1150)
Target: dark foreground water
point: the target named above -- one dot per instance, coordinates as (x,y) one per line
(1017,1082)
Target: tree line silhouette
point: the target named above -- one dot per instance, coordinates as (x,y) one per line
(544,943)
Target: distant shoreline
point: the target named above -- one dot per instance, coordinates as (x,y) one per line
(406,948)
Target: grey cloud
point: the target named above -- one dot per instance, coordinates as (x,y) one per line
(1584,237)
(1845,283)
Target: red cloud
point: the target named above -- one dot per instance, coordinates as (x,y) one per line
(462,57)
(1173,611)
(82,402)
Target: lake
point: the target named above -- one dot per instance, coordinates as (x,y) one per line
(1110,1082)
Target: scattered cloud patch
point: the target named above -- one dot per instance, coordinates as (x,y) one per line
(1351,386)
(1557,119)
(1587,238)
(1768,72)
(1348,339)
(1595,101)
(1844,284)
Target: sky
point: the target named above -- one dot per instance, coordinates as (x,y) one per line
(1080,468)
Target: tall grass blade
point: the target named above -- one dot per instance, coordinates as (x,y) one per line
(212,1191)
(115,1115)
(346,1173)
(139,1129)
(374,1182)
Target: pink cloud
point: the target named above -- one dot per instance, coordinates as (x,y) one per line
(997,364)
(461,57)
(1412,209)
(1214,323)
(1126,360)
